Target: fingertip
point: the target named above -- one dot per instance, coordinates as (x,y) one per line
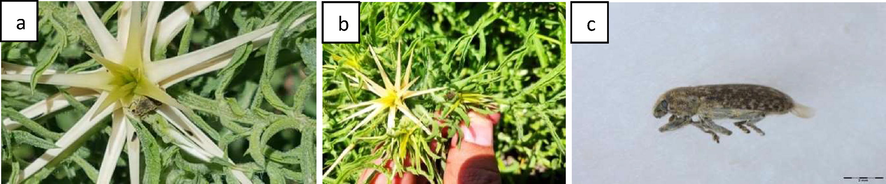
(480,132)
(492,117)
(495,117)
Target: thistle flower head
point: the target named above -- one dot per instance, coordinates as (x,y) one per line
(127,78)
(391,98)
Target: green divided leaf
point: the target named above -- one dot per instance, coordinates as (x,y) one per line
(151,152)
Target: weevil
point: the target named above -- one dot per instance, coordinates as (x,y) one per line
(747,103)
(142,106)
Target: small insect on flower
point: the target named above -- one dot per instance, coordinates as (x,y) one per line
(141,106)
(747,103)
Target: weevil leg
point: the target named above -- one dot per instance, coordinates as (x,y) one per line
(741,124)
(752,123)
(713,126)
(756,129)
(674,123)
(705,129)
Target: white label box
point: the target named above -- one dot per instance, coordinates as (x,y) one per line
(340,22)
(19,21)
(589,22)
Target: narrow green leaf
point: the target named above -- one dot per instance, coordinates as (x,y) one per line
(40,175)
(71,100)
(275,14)
(275,173)
(304,88)
(235,107)
(197,120)
(185,45)
(256,148)
(212,16)
(195,168)
(240,56)
(44,64)
(308,50)
(84,66)
(151,152)
(13,175)
(62,32)
(559,71)
(271,63)
(275,128)
(29,139)
(30,124)
(110,12)
(91,172)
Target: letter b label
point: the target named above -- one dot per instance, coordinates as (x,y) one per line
(340,22)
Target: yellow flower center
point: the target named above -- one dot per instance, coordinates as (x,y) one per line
(391,99)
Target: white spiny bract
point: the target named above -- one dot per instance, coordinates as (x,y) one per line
(128,73)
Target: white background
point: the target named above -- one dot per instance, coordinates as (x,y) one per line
(348,12)
(831,57)
(12,11)
(584,12)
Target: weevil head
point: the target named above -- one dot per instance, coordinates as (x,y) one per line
(661,107)
(678,101)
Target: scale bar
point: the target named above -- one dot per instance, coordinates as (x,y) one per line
(863,178)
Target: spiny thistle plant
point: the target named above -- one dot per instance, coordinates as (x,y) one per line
(133,81)
(507,58)
(392,98)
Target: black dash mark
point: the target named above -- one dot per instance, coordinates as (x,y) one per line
(847,178)
(878,178)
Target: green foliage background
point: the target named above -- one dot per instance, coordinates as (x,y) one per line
(511,53)
(260,108)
